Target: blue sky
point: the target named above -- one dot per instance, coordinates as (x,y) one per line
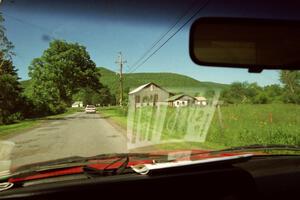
(104,37)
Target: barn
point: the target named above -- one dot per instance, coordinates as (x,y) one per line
(181,100)
(149,94)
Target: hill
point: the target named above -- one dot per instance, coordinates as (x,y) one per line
(170,81)
(173,82)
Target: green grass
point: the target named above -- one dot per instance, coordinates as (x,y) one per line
(6,130)
(242,125)
(69,111)
(115,113)
(25,125)
(257,124)
(189,145)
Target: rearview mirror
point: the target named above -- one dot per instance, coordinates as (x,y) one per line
(255,44)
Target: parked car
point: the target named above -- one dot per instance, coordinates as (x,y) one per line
(90,109)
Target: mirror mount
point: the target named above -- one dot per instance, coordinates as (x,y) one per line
(255,69)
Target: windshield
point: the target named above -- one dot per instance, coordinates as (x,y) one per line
(90,106)
(130,61)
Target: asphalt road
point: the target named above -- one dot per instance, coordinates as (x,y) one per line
(79,134)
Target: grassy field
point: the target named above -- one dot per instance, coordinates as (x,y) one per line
(257,124)
(240,125)
(21,126)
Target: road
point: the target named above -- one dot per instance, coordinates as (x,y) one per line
(79,134)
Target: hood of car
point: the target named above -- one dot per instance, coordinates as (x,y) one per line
(54,170)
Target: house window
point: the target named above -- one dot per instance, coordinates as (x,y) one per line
(137,99)
(156,98)
(151,98)
(145,99)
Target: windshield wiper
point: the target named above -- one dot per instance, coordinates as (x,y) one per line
(255,147)
(83,161)
(94,172)
(74,161)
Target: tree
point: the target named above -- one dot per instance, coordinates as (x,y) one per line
(101,97)
(104,97)
(10,88)
(274,92)
(291,82)
(6,47)
(244,93)
(235,93)
(10,92)
(59,73)
(261,98)
(210,93)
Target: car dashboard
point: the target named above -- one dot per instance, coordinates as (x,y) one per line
(262,177)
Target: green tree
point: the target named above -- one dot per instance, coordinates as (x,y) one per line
(274,92)
(102,97)
(59,73)
(10,88)
(291,82)
(210,93)
(261,98)
(235,93)
(10,92)
(244,93)
(6,46)
(87,97)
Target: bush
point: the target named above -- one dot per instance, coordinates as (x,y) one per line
(11,118)
(57,109)
(261,99)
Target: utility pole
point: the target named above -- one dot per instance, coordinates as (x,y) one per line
(120,61)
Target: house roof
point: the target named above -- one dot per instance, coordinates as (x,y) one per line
(77,102)
(200,98)
(139,88)
(144,86)
(178,96)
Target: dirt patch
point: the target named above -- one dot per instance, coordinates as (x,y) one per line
(114,124)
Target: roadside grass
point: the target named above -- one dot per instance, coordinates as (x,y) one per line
(69,111)
(24,125)
(27,124)
(116,114)
(243,124)
(189,145)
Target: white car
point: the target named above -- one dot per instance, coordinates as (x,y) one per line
(90,109)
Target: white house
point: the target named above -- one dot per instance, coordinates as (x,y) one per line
(201,101)
(149,94)
(181,100)
(77,104)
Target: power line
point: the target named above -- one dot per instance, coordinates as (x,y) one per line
(180,28)
(163,35)
(43,29)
